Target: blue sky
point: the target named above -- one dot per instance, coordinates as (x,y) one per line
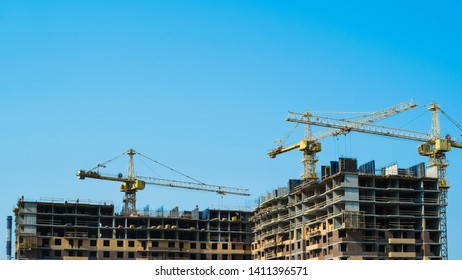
(205,86)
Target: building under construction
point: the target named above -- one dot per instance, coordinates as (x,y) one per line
(53,229)
(351,214)
(56,229)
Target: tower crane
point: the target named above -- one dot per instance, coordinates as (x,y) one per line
(434,147)
(132,183)
(310,146)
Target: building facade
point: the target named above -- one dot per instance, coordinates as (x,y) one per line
(351,214)
(92,230)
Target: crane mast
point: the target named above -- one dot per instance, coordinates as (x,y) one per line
(128,188)
(434,147)
(133,183)
(438,159)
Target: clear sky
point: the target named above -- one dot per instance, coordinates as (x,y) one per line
(205,86)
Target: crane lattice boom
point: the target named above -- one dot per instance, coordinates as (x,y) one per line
(346,126)
(310,146)
(194,186)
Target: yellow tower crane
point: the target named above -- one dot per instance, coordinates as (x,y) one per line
(434,147)
(132,183)
(310,146)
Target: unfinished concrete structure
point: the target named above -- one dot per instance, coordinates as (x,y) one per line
(351,214)
(57,229)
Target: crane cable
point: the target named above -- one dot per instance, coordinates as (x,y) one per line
(451,119)
(289,134)
(149,167)
(176,171)
(104,163)
(418,117)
